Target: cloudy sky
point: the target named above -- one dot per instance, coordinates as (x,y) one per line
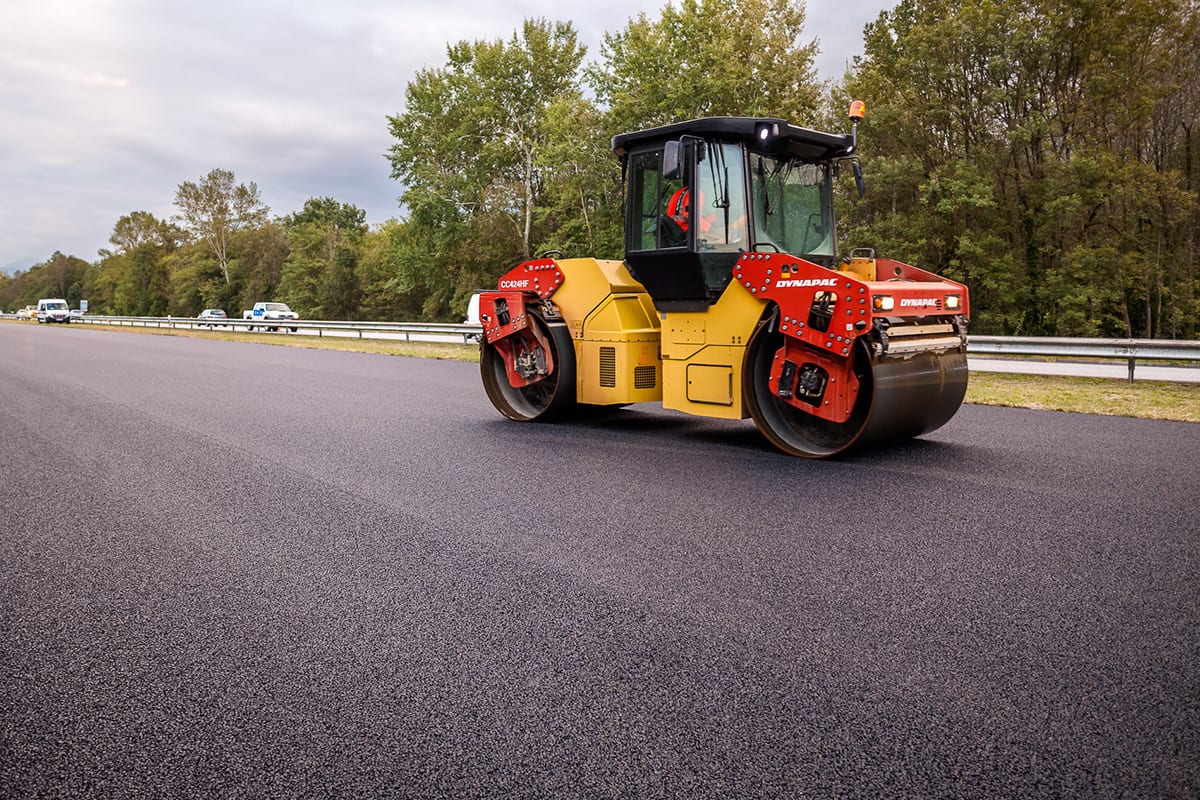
(106,106)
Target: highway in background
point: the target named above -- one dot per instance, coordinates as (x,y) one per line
(1059,357)
(1146,371)
(236,570)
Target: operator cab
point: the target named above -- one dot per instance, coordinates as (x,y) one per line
(702,192)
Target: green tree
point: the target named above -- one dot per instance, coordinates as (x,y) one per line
(470,150)
(99,285)
(700,58)
(195,281)
(136,273)
(258,269)
(142,289)
(1007,146)
(216,208)
(65,276)
(140,228)
(319,277)
(580,212)
(58,276)
(339,291)
(386,289)
(709,58)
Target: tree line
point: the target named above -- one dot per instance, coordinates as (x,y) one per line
(1045,152)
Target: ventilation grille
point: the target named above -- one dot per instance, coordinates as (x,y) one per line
(608,366)
(644,378)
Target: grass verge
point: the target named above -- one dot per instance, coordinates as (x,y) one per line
(1146,399)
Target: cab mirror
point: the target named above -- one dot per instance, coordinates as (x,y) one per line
(672,161)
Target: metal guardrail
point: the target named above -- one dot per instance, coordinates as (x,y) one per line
(1129,350)
(407,331)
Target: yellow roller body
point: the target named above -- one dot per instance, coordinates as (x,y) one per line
(615,332)
(703,355)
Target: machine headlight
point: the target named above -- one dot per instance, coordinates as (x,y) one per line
(766,131)
(953,302)
(883,302)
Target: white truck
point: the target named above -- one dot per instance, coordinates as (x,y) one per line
(53,309)
(270,312)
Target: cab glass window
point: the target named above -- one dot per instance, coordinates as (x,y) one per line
(649,226)
(721,212)
(793,205)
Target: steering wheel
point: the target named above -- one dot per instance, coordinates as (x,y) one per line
(670,233)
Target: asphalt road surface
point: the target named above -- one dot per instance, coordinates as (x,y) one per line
(242,571)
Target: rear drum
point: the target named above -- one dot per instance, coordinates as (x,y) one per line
(545,400)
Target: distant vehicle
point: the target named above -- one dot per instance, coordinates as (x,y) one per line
(212,313)
(52,309)
(28,312)
(473,314)
(270,312)
(472,310)
(76,315)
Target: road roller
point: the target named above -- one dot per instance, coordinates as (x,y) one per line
(733,301)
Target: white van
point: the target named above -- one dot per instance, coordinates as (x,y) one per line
(53,310)
(472,310)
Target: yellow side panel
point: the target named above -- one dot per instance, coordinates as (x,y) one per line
(626,352)
(861,268)
(687,329)
(615,330)
(717,390)
(703,353)
(588,282)
(622,316)
(616,373)
(710,383)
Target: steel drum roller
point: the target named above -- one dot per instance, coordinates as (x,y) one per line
(899,397)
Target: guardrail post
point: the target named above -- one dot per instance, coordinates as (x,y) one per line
(1132,360)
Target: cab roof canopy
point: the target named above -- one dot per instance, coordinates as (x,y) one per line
(766,135)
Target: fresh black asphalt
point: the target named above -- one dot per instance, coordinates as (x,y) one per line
(231,570)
